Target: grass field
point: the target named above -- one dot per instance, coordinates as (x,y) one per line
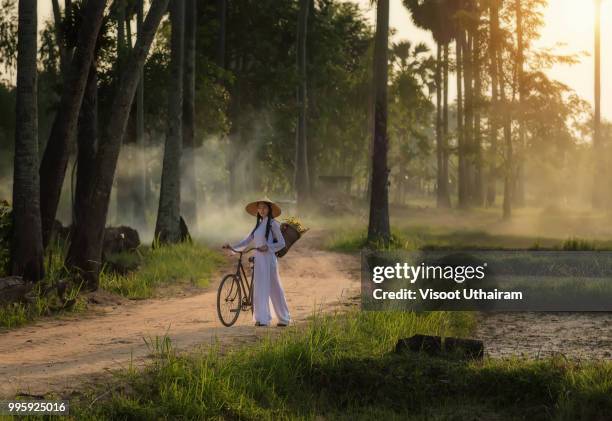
(426,238)
(344,367)
(178,263)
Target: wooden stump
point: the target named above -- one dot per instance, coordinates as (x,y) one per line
(119,239)
(14,289)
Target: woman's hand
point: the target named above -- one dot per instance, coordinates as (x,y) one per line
(263,248)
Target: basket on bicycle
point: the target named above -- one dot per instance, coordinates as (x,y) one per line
(292,230)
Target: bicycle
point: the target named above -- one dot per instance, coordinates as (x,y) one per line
(236,291)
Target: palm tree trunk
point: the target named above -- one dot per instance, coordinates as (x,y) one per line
(85,250)
(302,179)
(598,194)
(468,139)
(140,196)
(478,161)
(508,152)
(494,110)
(462,164)
(87,142)
(442,199)
(379,228)
(58,25)
(445,128)
(222,22)
(519,193)
(124,203)
(26,246)
(190,203)
(167,228)
(55,158)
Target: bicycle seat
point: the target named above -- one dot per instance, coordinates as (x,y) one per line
(252,259)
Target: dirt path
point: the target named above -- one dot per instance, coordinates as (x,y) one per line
(63,355)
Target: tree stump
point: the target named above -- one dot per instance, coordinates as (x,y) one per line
(14,289)
(119,239)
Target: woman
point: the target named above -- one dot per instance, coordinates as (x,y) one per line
(268,240)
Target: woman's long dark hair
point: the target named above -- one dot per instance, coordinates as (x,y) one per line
(268,223)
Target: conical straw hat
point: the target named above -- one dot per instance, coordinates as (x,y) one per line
(251,208)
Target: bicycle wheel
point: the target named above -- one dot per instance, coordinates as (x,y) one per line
(229,300)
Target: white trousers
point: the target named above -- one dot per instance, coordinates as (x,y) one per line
(267,287)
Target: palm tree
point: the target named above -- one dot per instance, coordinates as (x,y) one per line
(221,6)
(140,195)
(85,251)
(302,179)
(494,110)
(506,111)
(87,143)
(597,187)
(55,158)
(437,16)
(467,32)
(478,193)
(27,248)
(519,191)
(190,203)
(167,228)
(378,228)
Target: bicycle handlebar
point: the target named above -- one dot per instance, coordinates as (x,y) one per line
(243,251)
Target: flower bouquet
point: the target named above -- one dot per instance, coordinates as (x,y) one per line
(292,229)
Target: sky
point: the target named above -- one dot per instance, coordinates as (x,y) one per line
(567,22)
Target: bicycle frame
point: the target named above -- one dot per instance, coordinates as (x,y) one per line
(241,274)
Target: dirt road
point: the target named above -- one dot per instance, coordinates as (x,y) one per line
(64,355)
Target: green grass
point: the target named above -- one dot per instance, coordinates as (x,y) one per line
(40,304)
(444,238)
(168,265)
(18,314)
(344,367)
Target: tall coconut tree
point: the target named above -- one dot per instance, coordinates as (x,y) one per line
(461,147)
(597,147)
(140,193)
(506,111)
(478,187)
(445,129)
(85,251)
(437,16)
(302,179)
(87,143)
(468,113)
(221,11)
(190,202)
(123,186)
(519,190)
(167,228)
(379,229)
(64,54)
(494,108)
(55,158)
(27,248)
(467,21)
